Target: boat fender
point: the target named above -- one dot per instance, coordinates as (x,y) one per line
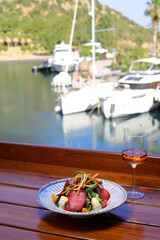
(57,108)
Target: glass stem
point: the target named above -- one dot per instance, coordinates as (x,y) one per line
(133,177)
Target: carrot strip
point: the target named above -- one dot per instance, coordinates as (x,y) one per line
(89,180)
(83,181)
(93,177)
(68,190)
(78,191)
(87,175)
(75,178)
(74,181)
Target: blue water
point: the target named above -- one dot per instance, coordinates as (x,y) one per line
(27,103)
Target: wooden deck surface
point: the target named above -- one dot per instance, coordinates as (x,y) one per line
(25,168)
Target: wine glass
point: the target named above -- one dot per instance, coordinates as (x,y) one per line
(134,152)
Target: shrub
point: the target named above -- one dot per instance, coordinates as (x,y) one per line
(3,48)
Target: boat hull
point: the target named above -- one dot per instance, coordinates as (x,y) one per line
(62,67)
(84,99)
(79,101)
(129,102)
(46,66)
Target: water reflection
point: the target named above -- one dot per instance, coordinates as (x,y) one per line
(112,130)
(44,74)
(27,104)
(95,132)
(80,130)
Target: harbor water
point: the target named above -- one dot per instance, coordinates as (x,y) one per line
(27,115)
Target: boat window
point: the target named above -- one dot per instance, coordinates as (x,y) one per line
(112,109)
(140,86)
(155,67)
(62,50)
(133,78)
(141,66)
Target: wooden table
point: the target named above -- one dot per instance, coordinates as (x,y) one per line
(25,168)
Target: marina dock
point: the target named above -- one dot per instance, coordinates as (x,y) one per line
(103,67)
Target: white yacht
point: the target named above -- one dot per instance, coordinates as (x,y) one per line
(64,57)
(137,92)
(87,98)
(143,74)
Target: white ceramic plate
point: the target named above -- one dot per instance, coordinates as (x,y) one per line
(44,197)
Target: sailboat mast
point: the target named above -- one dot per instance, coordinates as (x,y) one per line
(72,31)
(93,42)
(73,24)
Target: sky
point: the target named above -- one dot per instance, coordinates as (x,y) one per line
(132,9)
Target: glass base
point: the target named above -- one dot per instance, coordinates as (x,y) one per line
(135,194)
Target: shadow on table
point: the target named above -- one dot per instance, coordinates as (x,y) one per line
(84,227)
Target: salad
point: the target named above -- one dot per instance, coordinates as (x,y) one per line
(82,193)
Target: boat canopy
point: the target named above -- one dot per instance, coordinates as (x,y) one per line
(89,44)
(62,46)
(152,60)
(152,67)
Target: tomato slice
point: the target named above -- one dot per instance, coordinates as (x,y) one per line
(104,203)
(67,209)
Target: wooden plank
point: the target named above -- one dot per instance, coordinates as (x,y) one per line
(94,227)
(26,196)
(25,179)
(27,170)
(19,196)
(127,212)
(24,166)
(137,214)
(10,233)
(152,196)
(75,158)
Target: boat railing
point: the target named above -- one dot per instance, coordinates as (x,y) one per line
(144,72)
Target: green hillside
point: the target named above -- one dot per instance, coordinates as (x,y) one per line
(35,23)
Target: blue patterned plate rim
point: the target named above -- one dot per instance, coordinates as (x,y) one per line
(44,197)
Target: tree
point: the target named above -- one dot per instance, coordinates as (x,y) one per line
(154,11)
(15,41)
